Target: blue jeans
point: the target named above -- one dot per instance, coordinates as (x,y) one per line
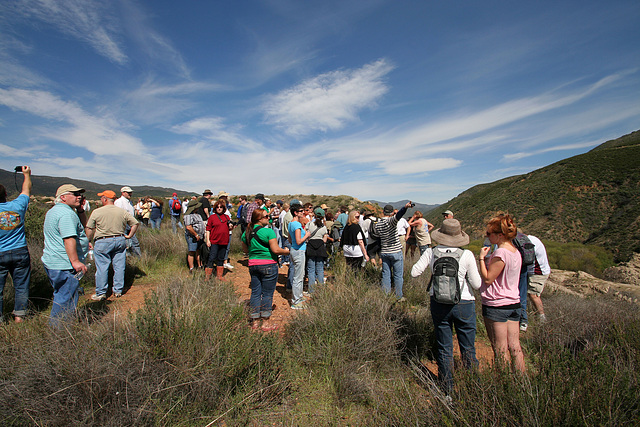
(216,255)
(395,262)
(298,259)
(65,295)
(106,252)
(315,270)
(523,286)
(133,245)
(286,244)
(175,222)
(155,223)
(462,316)
(263,284)
(17,263)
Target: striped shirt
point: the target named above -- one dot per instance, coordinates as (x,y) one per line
(387,230)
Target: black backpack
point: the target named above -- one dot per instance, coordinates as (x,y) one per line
(444,276)
(526,248)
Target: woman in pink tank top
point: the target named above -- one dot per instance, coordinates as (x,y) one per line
(499,291)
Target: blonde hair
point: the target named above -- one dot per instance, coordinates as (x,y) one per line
(352,218)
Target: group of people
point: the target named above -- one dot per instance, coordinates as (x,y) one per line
(294,234)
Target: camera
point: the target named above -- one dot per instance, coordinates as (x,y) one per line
(18,169)
(413,205)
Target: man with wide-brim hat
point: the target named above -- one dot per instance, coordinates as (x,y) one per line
(65,248)
(194,228)
(462,315)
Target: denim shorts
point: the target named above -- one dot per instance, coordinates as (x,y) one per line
(193,244)
(503,313)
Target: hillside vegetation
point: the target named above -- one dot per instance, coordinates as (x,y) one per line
(592,198)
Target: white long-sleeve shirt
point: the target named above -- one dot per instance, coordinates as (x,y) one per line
(468,274)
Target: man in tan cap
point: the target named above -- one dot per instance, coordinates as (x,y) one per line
(108,224)
(65,247)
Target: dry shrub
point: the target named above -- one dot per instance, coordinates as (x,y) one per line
(187,357)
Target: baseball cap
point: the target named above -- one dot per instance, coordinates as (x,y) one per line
(126,189)
(108,194)
(68,188)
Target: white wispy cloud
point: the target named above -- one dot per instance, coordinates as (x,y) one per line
(562,147)
(89,21)
(215,129)
(97,135)
(328,101)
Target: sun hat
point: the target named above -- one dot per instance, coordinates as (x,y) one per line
(68,188)
(450,234)
(193,205)
(223,193)
(324,206)
(207,191)
(388,209)
(126,189)
(447,212)
(319,211)
(108,194)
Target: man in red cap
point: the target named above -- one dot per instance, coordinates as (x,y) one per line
(108,224)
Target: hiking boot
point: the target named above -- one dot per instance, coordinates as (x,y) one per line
(95,297)
(523,327)
(403,299)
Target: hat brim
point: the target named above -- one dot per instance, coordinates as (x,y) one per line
(445,239)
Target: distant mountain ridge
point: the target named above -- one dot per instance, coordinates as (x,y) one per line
(591,198)
(424,208)
(47,186)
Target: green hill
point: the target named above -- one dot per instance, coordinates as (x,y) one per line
(591,198)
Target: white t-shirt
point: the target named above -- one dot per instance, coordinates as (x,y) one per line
(403,224)
(353,251)
(468,274)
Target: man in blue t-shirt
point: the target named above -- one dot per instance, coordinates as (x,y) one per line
(65,248)
(14,255)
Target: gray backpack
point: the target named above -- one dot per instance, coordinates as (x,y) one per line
(444,276)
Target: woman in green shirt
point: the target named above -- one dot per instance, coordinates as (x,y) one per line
(261,244)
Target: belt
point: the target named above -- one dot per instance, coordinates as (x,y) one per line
(108,237)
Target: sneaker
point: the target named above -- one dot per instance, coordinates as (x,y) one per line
(117,295)
(299,306)
(305,293)
(523,327)
(403,299)
(228,266)
(98,297)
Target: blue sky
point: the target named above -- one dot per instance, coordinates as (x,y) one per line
(376,99)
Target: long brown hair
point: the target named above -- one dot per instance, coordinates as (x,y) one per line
(256,216)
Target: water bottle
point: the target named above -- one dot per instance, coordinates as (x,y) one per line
(90,254)
(80,274)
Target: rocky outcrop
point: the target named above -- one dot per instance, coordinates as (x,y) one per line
(626,272)
(583,284)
